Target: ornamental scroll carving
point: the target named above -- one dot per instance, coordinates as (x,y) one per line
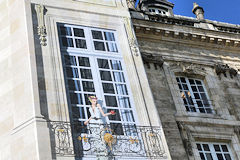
(186,137)
(40,9)
(131,36)
(148,58)
(224,68)
(188,68)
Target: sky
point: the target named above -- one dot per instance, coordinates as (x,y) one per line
(219,10)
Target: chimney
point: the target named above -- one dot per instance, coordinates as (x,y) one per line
(198,11)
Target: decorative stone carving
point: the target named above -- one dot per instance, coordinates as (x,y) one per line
(188,68)
(131,36)
(224,68)
(186,137)
(148,58)
(40,9)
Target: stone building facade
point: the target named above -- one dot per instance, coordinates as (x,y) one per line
(192,65)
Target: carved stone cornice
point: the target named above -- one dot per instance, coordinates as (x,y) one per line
(188,68)
(196,37)
(148,58)
(40,10)
(224,68)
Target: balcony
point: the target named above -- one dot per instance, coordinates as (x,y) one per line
(98,140)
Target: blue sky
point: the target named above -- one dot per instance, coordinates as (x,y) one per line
(219,10)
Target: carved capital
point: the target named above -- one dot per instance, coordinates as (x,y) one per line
(224,68)
(148,58)
(40,9)
(131,36)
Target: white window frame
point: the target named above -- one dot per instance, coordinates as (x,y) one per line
(94,54)
(212,150)
(157,11)
(193,97)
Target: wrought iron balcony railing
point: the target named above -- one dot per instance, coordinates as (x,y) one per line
(98,140)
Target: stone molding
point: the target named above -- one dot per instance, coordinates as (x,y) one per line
(186,36)
(148,58)
(40,10)
(186,137)
(224,68)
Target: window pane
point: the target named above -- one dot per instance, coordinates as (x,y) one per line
(67,42)
(105,75)
(198,82)
(196,95)
(194,88)
(220,157)
(224,148)
(78,32)
(84,61)
(117,128)
(86,73)
(206,147)
(103,63)
(76,98)
(78,112)
(87,102)
(111,101)
(99,46)
(121,89)
(209,156)
(74,85)
(199,147)
(124,102)
(116,65)
(200,88)
(227,156)
(72,72)
(80,43)
(118,77)
(182,79)
(108,88)
(109,36)
(127,115)
(88,86)
(97,35)
(191,81)
(217,148)
(70,60)
(202,156)
(111,47)
(65,31)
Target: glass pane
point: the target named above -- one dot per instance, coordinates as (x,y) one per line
(80,43)
(103,63)
(78,32)
(111,101)
(220,157)
(180,87)
(177,78)
(105,75)
(194,88)
(202,156)
(99,46)
(224,148)
(72,72)
(65,31)
(118,77)
(209,156)
(67,42)
(199,103)
(182,79)
(97,35)
(115,117)
(84,61)
(87,102)
(124,102)
(76,98)
(206,147)
(185,87)
(117,128)
(200,88)
(108,88)
(116,65)
(208,110)
(109,36)
(191,81)
(196,95)
(86,73)
(70,60)
(74,85)
(127,116)
(111,47)
(199,147)
(88,86)
(121,89)
(204,97)
(227,156)
(78,112)
(217,148)
(198,82)
(202,110)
